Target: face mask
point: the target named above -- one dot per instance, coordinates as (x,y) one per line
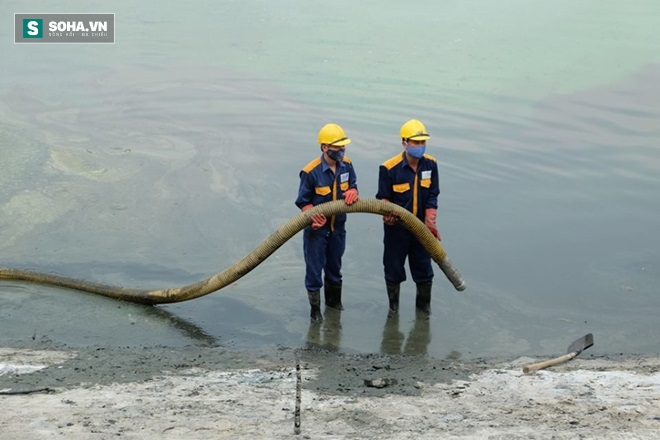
(416,152)
(336,155)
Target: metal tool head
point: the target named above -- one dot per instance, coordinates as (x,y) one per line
(581,344)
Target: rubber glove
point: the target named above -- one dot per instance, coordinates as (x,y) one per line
(430,217)
(318,220)
(391,218)
(351,196)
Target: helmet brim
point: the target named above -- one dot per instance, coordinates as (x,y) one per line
(340,142)
(420,137)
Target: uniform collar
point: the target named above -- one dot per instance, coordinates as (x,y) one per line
(405,160)
(325,165)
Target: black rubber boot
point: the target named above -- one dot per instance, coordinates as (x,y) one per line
(333,295)
(423,299)
(393,295)
(315,303)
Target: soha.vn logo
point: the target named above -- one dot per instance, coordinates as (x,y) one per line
(33,28)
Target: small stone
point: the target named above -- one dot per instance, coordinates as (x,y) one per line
(379,382)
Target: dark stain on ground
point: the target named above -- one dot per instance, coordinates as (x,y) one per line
(338,373)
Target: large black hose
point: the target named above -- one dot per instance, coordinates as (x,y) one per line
(252,260)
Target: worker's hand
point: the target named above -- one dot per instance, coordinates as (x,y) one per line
(351,196)
(391,218)
(318,220)
(430,216)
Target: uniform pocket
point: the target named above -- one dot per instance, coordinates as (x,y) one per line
(425,183)
(401,187)
(343,186)
(322,190)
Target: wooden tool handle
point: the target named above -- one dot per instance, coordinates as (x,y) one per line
(549,362)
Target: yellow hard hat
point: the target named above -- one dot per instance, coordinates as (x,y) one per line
(333,134)
(414,130)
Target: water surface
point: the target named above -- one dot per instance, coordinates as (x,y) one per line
(168,156)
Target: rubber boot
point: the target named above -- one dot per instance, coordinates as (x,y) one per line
(423,299)
(393,295)
(333,295)
(315,303)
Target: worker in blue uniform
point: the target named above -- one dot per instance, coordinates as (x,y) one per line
(327,178)
(410,180)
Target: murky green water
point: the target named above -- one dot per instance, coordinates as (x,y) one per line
(168,156)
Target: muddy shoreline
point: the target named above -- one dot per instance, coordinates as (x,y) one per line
(337,372)
(209,392)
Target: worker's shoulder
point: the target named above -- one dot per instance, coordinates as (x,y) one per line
(393,161)
(347,160)
(429,157)
(311,165)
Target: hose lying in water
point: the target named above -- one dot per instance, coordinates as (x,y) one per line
(252,260)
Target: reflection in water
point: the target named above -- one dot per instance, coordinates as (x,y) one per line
(54,314)
(326,335)
(188,329)
(145,273)
(392,337)
(418,340)
(419,336)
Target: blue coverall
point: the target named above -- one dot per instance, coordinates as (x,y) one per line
(416,191)
(324,247)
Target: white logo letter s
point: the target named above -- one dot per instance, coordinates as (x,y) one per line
(33,27)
